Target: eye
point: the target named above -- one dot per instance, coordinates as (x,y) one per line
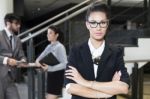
(94,23)
(103,22)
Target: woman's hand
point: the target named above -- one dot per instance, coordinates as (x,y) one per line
(117,76)
(44,67)
(73,74)
(37,63)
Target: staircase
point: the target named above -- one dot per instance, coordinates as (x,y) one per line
(140,54)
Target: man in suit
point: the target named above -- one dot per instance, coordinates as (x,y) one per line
(95,68)
(10,52)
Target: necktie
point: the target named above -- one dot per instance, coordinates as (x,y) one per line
(10,40)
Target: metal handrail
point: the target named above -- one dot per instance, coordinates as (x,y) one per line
(53,18)
(135,61)
(56,23)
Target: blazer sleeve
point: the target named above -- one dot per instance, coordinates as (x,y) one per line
(21,54)
(71,62)
(120,63)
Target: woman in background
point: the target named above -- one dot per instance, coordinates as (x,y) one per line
(55,75)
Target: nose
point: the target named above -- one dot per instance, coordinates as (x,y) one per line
(98,27)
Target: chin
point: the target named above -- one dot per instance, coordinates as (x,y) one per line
(99,38)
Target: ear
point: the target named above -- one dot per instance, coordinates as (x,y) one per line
(8,23)
(57,35)
(87,25)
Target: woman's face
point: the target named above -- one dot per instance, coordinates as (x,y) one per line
(51,35)
(97,25)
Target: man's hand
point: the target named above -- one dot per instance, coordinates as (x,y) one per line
(11,62)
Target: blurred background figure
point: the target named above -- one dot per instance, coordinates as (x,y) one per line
(55,75)
(10,52)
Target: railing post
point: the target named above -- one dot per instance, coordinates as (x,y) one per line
(140,80)
(30,71)
(135,82)
(40,84)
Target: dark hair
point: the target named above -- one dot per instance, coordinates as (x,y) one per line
(97,7)
(10,17)
(59,32)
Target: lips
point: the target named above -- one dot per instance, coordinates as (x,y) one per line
(99,34)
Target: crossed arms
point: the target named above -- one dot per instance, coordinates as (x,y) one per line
(94,89)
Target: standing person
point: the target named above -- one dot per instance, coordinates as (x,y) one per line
(55,75)
(95,68)
(10,52)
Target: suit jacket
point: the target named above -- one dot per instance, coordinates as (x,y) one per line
(111,61)
(6,51)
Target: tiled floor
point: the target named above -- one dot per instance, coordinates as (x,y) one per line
(23,90)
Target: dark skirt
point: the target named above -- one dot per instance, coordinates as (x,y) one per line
(55,82)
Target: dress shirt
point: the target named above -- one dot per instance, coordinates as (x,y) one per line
(96,52)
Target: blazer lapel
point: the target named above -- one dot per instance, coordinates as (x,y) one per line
(87,59)
(15,43)
(105,55)
(6,38)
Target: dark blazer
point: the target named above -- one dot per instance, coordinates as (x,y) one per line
(6,51)
(111,61)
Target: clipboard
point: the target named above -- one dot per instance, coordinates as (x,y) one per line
(49,59)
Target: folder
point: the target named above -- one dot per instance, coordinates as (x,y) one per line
(49,59)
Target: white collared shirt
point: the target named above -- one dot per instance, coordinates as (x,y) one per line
(96,52)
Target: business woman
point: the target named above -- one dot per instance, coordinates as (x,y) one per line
(95,68)
(55,75)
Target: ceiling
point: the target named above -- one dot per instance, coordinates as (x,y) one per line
(128,3)
(35,8)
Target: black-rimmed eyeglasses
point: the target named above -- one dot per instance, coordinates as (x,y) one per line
(102,24)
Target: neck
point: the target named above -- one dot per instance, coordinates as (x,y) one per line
(52,42)
(96,43)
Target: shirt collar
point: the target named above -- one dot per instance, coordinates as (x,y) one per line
(96,51)
(8,32)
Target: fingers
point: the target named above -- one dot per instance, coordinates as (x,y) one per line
(70,77)
(117,76)
(11,62)
(119,73)
(45,68)
(44,64)
(71,72)
(38,64)
(72,68)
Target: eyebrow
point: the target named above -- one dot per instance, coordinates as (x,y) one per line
(97,21)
